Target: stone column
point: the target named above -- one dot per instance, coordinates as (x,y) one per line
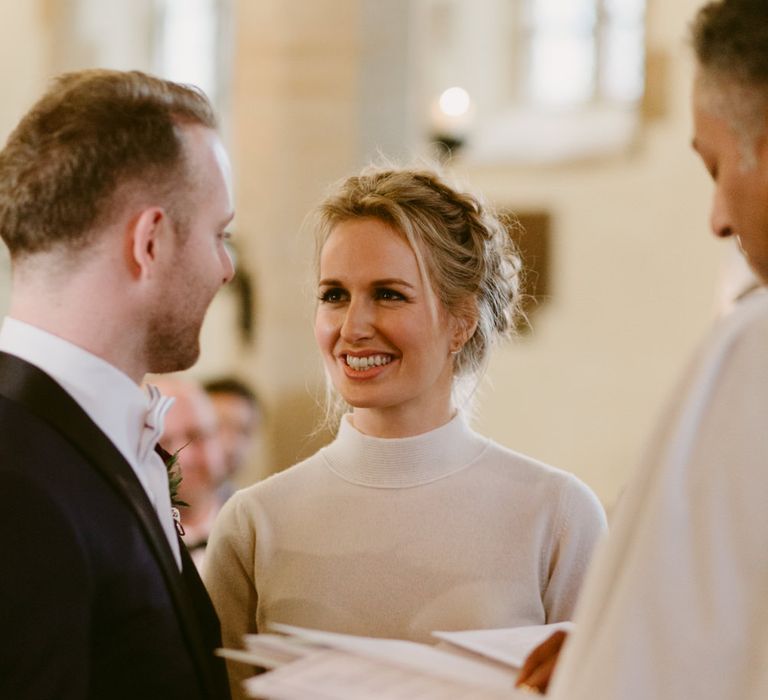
(294,131)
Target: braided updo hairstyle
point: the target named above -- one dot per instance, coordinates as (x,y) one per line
(463,249)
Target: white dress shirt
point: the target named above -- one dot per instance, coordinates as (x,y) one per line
(112,400)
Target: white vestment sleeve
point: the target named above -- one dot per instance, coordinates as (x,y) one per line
(676,604)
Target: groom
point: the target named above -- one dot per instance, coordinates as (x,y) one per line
(114,205)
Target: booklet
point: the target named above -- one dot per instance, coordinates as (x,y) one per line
(337,675)
(311,664)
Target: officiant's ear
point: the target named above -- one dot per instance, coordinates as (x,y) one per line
(144,240)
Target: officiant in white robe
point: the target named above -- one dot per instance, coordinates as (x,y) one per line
(675,606)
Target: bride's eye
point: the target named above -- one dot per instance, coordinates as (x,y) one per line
(387,294)
(332,295)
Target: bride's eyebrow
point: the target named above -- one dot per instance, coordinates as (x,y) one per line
(392,281)
(388,281)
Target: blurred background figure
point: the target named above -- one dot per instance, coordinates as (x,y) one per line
(239,419)
(190,427)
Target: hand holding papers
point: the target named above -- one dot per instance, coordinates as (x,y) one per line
(328,666)
(539,667)
(508,646)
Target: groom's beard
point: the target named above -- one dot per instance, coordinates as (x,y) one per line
(173,337)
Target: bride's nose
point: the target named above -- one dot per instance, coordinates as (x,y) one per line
(358,323)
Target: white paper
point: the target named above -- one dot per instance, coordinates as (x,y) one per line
(337,675)
(267,650)
(412,655)
(510,646)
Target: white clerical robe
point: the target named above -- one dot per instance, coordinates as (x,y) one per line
(676,603)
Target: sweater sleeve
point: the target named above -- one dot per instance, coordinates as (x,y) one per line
(229,572)
(579,525)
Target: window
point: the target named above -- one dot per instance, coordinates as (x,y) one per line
(547,80)
(187,48)
(192,42)
(583,51)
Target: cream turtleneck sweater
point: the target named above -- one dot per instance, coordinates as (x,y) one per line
(399,537)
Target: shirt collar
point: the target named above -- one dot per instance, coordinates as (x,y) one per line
(111,398)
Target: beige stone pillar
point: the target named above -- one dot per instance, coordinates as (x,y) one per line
(294,131)
(23,67)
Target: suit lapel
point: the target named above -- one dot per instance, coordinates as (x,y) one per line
(37,392)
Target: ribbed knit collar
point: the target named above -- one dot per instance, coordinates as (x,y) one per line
(402,462)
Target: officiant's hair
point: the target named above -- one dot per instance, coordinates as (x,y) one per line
(729,39)
(96,139)
(463,248)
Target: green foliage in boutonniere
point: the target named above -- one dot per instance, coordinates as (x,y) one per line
(174,477)
(173,468)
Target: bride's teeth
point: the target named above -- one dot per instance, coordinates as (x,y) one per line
(363,363)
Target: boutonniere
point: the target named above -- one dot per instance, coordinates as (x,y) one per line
(173,468)
(174,478)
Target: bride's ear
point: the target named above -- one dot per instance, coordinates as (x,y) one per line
(143,240)
(464,323)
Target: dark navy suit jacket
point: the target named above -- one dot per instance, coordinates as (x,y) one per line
(92,604)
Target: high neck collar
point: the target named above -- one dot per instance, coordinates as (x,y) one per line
(402,462)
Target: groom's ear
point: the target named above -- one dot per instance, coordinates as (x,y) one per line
(144,238)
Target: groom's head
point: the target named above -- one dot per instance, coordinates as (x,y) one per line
(95,140)
(114,203)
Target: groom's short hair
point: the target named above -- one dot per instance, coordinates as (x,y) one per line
(94,139)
